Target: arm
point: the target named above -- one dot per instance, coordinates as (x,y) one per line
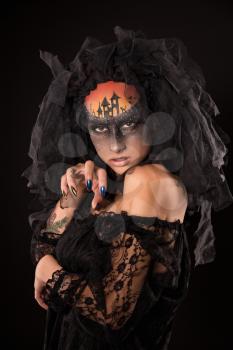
(45,238)
(47,232)
(131,253)
(121,286)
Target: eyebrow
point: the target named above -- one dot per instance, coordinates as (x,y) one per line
(96,121)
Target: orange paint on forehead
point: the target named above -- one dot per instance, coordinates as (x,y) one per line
(111,99)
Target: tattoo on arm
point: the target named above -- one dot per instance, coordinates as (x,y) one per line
(54,227)
(52,218)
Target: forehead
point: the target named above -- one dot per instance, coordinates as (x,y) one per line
(111,100)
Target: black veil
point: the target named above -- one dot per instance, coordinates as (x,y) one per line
(180,112)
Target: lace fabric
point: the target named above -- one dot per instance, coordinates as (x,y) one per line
(43,242)
(139,246)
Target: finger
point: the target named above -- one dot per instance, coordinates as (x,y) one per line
(97,197)
(64,185)
(40,300)
(102,180)
(71,174)
(102,183)
(42,304)
(89,169)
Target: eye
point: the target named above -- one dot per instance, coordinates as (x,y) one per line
(128,125)
(100,129)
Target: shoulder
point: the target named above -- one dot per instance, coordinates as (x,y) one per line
(151,190)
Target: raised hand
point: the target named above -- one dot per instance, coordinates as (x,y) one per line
(81,178)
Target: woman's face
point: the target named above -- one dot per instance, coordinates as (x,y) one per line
(115,125)
(119,139)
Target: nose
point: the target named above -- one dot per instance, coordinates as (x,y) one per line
(117,143)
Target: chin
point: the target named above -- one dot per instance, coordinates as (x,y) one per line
(121,170)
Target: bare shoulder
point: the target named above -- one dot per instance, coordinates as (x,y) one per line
(151,190)
(149,175)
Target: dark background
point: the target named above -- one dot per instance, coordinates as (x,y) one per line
(206,30)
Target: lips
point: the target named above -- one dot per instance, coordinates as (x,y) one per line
(120,161)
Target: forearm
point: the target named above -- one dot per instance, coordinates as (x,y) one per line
(48,233)
(62,214)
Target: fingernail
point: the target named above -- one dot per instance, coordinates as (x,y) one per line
(89,185)
(102,191)
(74,191)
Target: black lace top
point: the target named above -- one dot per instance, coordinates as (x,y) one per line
(122,280)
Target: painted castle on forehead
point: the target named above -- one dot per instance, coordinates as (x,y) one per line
(110,109)
(111,99)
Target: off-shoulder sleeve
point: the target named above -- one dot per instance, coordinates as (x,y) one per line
(133,252)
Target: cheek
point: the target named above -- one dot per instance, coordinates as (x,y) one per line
(98,143)
(137,139)
(137,145)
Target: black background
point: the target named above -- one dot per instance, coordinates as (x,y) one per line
(206,30)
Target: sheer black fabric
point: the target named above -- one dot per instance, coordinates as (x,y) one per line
(122,279)
(42,242)
(169,82)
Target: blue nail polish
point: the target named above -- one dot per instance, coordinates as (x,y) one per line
(89,185)
(102,191)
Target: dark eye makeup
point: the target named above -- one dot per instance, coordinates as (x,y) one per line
(102,128)
(123,123)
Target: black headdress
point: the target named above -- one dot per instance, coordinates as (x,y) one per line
(182,114)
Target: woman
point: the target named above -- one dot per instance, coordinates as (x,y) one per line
(125,134)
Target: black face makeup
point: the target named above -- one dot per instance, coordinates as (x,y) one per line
(121,125)
(115,120)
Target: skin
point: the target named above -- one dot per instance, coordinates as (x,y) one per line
(119,138)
